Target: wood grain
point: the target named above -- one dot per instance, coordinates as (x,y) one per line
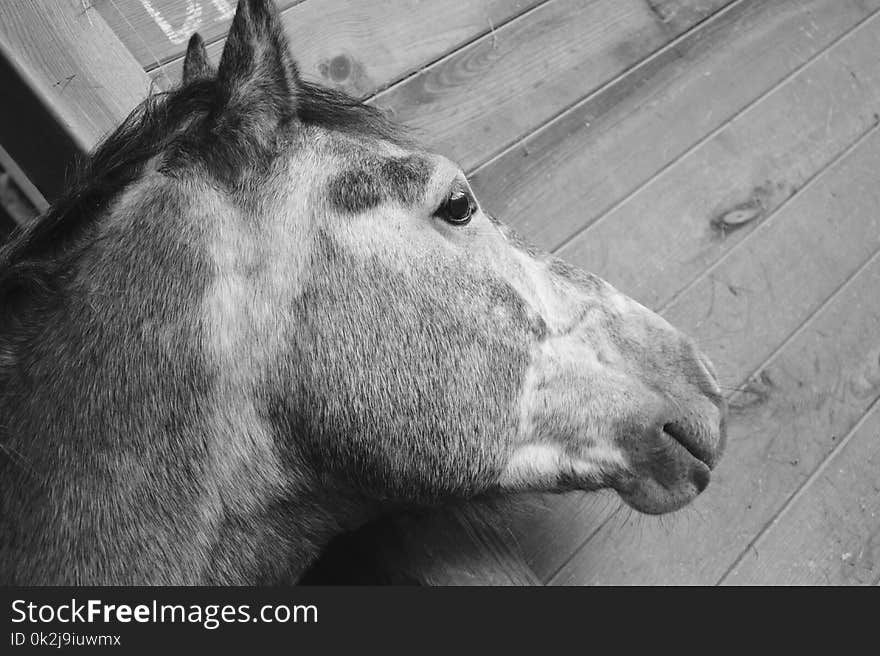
(474,103)
(575,168)
(362,47)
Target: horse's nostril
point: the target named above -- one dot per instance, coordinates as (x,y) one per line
(692,444)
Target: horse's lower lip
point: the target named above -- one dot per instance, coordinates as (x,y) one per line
(653,497)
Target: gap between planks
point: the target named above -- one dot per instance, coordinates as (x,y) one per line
(707,137)
(616,80)
(491,33)
(499,30)
(862,435)
(820,469)
(390,85)
(761,227)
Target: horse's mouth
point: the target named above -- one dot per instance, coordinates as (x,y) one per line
(678,471)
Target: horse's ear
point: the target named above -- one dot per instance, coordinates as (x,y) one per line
(257,75)
(196,64)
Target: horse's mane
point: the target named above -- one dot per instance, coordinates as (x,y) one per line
(162,122)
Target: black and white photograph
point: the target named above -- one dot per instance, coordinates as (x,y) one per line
(435,293)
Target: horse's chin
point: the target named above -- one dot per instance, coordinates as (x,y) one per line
(651,498)
(659,495)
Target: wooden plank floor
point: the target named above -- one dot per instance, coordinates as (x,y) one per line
(715,159)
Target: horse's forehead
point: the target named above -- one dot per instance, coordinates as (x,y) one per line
(261,250)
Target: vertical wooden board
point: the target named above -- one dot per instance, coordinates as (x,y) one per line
(789,416)
(476,102)
(32,195)
(74,63)
(67,81)
(155,31)
(7,222)
(575,168)
(15,209)
(362,47)
(691,214)
(830,534)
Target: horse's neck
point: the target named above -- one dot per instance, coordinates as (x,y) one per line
(91,516)
(127,468)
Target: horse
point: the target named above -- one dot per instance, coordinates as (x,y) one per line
(262,315)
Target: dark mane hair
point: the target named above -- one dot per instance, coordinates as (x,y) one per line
(176,122)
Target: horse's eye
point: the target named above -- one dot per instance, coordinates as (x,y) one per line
(457,209)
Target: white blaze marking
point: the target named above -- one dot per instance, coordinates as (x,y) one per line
(602,457)
(539,466)
(531,466)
